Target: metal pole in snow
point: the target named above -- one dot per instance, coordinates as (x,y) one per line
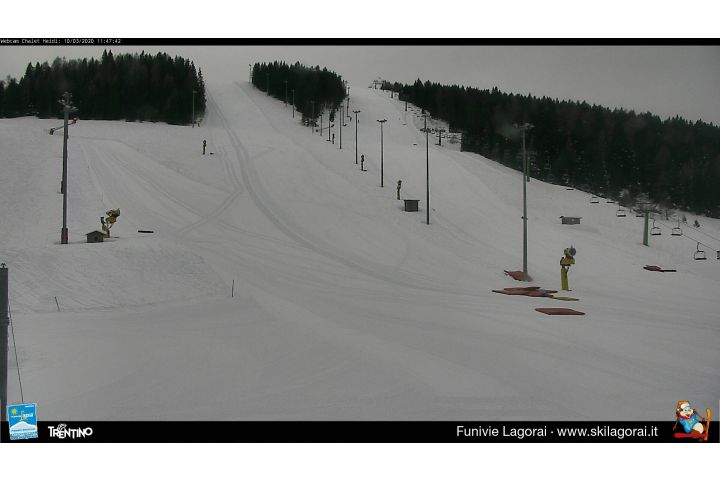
(66,111)
(427,170)
(381,151)
(524,127)
(4,323)
(356,124)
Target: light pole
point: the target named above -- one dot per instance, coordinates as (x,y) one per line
(67,108)
(427,170)
(312,119)
(250,66)
(524,127)
(286,99)
(267,78)
(193,108)
(356,124)
(4,323)
(381,122)
(293,102)
(342,119)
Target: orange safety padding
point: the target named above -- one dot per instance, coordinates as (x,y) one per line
(559,311)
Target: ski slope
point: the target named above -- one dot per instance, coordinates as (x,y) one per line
(345,307)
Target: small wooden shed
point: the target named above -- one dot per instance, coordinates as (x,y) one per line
(411,205)
(95,237)
(570,220)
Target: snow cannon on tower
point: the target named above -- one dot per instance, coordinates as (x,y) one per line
(566,261)
(112,216)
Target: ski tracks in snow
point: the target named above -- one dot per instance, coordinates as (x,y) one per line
(262,200)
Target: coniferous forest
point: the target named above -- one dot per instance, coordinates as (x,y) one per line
(314,89)
(616,153)
(128,87)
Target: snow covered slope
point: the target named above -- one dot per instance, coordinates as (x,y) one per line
(345,306)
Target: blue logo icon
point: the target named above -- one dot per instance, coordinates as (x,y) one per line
(22,420)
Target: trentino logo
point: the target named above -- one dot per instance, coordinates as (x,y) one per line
(62,432)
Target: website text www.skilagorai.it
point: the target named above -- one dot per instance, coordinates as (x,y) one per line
(599,431)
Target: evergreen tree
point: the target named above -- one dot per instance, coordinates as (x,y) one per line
(131,87)
(591,147)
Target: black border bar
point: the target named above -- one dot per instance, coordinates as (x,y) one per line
(388,41)
(357,432)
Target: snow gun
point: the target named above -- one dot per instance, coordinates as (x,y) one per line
(112,216)
(566,261)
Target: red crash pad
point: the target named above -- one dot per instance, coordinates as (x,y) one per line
(559,311)
(526,291)
(517,275)
(655,268)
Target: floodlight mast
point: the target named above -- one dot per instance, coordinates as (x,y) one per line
(381,122)
(523,128)
(356,124)
(67,109)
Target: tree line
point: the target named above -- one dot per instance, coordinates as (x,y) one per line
(314,90)
(129,86)
(615,153)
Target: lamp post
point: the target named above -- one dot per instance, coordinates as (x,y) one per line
(286,98)
(250,66)
(342,119)
(267,79)
(523,128)
(4,323)
(312,119)
(381,122)
(67,108)
(293,102)
(193,108)
(427,170)
(356,124)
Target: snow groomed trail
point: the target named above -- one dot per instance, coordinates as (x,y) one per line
(345,306)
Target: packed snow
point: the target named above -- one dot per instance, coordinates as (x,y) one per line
(282,283)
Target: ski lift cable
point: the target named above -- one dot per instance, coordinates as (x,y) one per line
(700,231)
(12,329)
(688,237)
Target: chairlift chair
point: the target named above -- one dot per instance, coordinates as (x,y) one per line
(609,201)
(676,231)
(655,230)
(639,213)
(699,254)
(620,212)
(594,199)
(718,254)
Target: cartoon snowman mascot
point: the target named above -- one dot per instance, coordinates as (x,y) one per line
(689,419)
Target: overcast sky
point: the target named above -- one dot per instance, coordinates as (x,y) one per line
(665,80)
